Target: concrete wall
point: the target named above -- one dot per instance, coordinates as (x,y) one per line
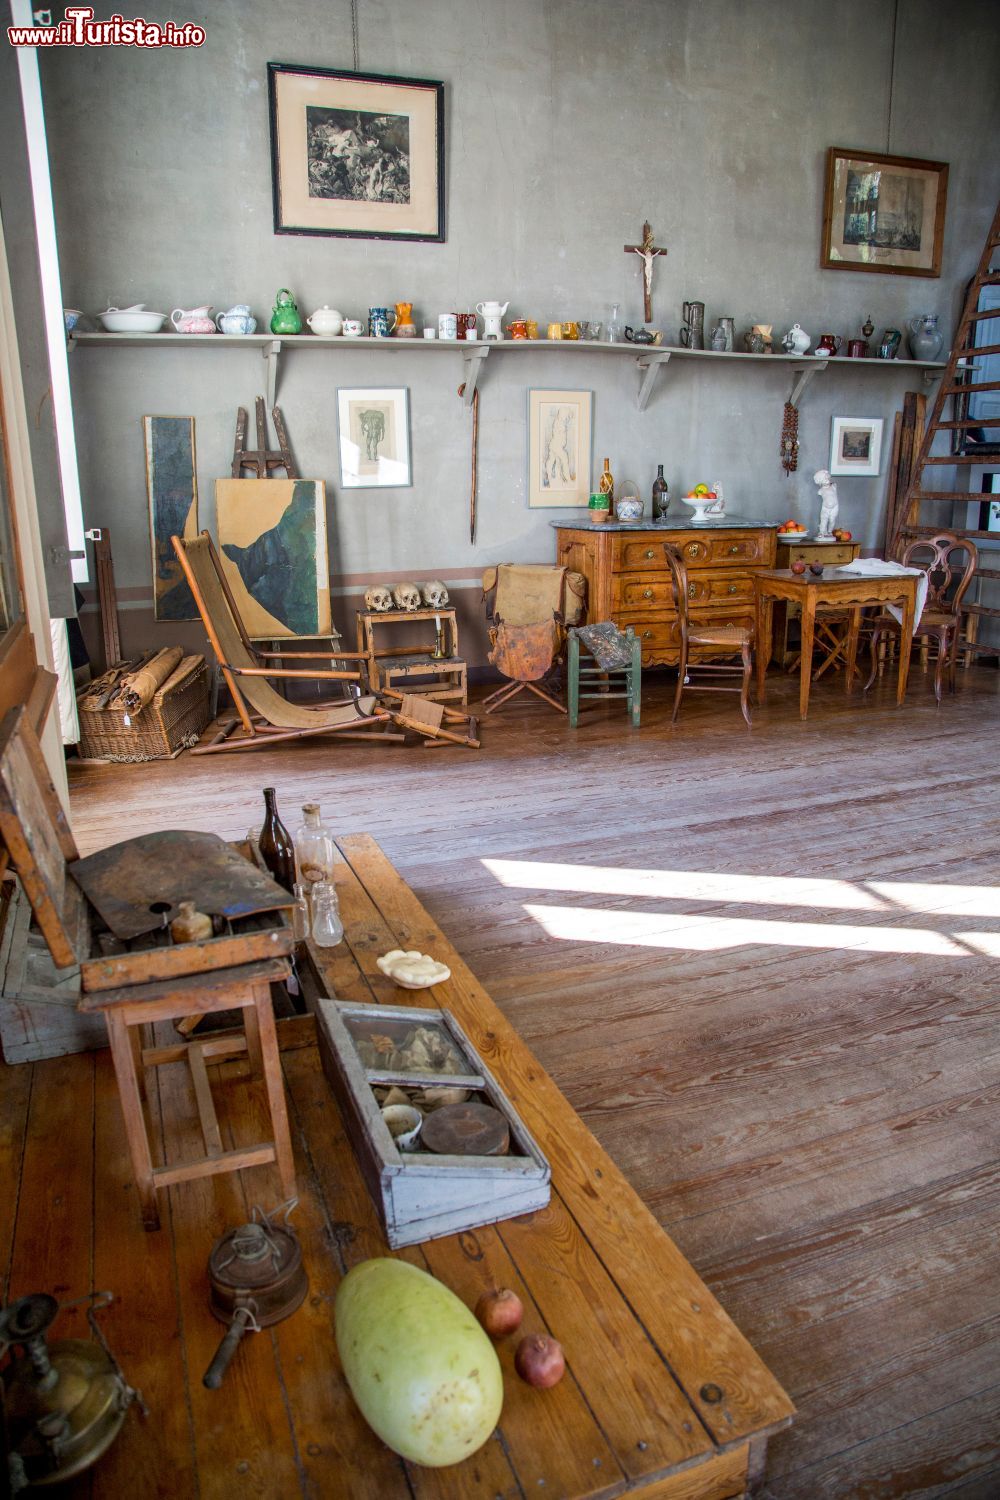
(568,123)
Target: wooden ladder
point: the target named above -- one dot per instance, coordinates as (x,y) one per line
(958,381)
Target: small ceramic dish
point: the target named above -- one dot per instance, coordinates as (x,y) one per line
(792,536)
(132,320)
(403,1122)
(412,970)
(71,316)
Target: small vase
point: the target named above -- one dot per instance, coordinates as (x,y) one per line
(925,339)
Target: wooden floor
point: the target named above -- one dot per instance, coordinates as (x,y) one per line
(762,965)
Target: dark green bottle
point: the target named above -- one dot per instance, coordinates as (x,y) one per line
(661,499)
(275,843)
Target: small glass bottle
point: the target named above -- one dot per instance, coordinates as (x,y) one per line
(661,499)
(607,481)
(315,851)
(327,928)
(300,915)
(275,843)
(613,328)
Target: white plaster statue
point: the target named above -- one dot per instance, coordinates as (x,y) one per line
(718,505)
(829,504)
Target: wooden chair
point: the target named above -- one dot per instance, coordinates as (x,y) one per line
(135,987)
(709,641)
(941,620)
(529,606)
(611,654)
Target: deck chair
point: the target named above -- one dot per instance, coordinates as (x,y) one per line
(264,715)
(528,607)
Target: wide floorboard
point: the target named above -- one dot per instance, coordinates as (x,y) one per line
(761,965)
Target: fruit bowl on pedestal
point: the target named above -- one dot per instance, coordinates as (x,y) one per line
(700,504)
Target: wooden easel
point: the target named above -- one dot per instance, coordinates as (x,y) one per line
(262,459)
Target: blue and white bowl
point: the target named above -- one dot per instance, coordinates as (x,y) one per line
(71,316)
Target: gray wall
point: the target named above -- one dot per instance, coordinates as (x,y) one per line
(568,122)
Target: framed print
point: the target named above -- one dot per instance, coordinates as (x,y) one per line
(172,489)
(559,447)
(374,437)
(272,544)
(856,446)
(357,154)
(989,509)
(883,213)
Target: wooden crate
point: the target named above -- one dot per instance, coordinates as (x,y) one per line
(175,718)
(420,1195)
(38,1014)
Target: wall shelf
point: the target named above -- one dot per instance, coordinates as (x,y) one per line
(650,360)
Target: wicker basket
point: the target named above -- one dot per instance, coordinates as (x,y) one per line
(175,719)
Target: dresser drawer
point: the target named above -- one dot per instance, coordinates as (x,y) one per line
(738,547)
(642,591)
(639,554)
(657,633)
(715,589)
(835,552)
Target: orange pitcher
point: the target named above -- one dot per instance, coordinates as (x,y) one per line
(404,321)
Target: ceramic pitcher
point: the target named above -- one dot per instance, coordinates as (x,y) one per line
(238,319)
(195,320)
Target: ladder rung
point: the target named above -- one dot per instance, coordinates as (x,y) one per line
(980,609)
(988,572)
(972,388)
(983,349)
(962,458)
(987,312)
(959,532)
(969,422)
(947,495)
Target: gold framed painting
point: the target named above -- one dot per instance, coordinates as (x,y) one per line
(883,213)
(356,154)
(559,425)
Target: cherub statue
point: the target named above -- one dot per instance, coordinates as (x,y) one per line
(718,505)
(829,503)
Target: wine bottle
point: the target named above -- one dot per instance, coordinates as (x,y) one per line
(606,484)
(275,843)
(661,500)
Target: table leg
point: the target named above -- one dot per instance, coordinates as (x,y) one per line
(906,640)
(853,632)
(805,665)
(275,1089)
(764,628)
(251,1030)
(135,1124)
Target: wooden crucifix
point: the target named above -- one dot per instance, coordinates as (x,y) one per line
(647,252)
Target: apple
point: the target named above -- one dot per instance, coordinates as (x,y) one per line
(798,566)
(846,537)
(816,567)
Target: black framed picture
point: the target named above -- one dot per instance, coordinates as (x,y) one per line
(356,154)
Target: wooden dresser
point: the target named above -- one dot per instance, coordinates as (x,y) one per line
(628,582)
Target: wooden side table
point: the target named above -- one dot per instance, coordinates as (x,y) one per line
(416,668)
(830,554)
(128,1010)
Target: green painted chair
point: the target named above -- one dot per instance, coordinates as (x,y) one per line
(610,654)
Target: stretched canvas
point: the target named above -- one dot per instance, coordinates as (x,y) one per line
(272,542)
(172,487)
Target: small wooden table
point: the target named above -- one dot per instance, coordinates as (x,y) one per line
(831,554)
(853,593)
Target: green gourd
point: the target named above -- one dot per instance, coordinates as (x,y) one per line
(420,1367)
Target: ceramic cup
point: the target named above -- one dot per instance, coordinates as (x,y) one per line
(518,329)
(379,326)
(531,324)
(447,326)
(857,349)
(571,330)
(554,331)
(430,333)
(466,325)
(352,328)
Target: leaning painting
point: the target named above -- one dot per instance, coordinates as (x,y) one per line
(558,447)
(374,437)
(172,488)
(883,213)
(357,154)
(272,542)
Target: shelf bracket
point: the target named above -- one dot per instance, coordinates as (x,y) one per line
(649,366)
(270,353)
(803,375)
(473,359)
(931,375)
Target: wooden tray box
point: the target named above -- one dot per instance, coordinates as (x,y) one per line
(420,1195)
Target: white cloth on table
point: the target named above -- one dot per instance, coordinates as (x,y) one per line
(877,567)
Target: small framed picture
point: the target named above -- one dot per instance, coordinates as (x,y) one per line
(883,213)
(559,448)
(989,509)
(374,437)
(357,154)
(856,445)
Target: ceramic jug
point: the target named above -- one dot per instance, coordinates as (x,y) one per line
(378,323)
(829,343)
(925,339)
(405,326)
(238,319)
(285,316)
(326,322)
(796,340)
(195,320)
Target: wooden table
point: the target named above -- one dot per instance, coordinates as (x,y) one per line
(664,1396)
(808,590)
(831,554)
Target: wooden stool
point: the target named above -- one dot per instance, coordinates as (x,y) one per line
(246,988)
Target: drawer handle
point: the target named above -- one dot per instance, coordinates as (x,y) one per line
(647,635)
(650,552)
(734,549)
(647,593)
(692,590)
(692,549)
(732,588)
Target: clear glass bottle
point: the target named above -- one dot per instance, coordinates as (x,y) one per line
(275,843)
(661,499)
(315,851)
(613,328)
(327,928)
(300,914)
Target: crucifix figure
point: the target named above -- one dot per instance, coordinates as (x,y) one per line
(647,252)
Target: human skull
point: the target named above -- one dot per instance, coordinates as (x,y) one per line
(435,594)
(406,596)
(378,597)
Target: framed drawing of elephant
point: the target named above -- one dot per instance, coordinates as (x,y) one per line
(374,437)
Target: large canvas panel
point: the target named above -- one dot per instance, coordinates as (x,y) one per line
(272,542)
(172,488)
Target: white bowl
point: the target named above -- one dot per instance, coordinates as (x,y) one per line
(793,536)
(132,321)
(699,504)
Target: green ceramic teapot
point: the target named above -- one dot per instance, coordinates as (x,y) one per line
(285,316)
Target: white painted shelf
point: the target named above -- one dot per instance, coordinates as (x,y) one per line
(650,359)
